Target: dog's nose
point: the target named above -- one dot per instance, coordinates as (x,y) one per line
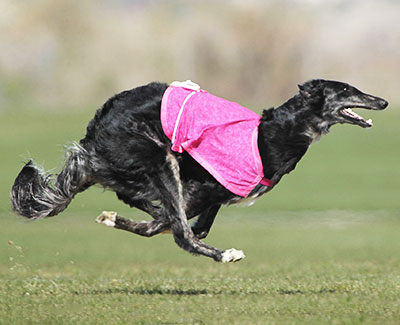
(383,103)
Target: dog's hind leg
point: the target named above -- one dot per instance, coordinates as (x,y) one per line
(148,206)
(170,185)
(146,229)
(204,222)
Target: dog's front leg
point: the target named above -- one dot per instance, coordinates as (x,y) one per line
(169,183)
(204,222)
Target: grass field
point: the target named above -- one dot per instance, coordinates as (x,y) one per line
(322,248)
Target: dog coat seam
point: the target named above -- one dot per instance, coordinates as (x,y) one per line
(180,114)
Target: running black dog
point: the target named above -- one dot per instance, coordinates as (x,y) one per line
(126,150)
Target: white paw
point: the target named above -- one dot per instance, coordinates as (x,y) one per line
(108,218)
(232,255)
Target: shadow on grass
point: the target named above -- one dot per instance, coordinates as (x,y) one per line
(150,292)
(195,292)
(304,292)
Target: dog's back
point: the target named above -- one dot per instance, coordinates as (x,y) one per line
(123,137)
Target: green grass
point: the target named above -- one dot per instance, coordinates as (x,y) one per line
(322,248)
(317,267)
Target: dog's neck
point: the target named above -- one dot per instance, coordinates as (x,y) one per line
(285,133)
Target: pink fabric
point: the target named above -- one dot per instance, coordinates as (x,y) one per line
(220,135)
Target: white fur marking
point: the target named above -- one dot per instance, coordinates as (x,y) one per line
(175,170)
(315,135)
(232,255)
(247,201)
(108,218)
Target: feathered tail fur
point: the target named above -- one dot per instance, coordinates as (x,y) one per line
(36,194)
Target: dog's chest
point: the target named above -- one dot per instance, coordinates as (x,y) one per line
(249,200)
(315,134)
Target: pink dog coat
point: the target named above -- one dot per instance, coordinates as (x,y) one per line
(220,135)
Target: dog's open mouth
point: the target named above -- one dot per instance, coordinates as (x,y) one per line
(354,118)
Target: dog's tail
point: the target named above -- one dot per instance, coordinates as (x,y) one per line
(36,194)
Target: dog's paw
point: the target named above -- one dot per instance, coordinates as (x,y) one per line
(108,218)
(232,255)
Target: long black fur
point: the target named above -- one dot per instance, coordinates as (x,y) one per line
(125,150)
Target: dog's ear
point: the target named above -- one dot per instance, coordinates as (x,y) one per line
(303,91)
(310,88)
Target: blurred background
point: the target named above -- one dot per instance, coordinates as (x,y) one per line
(58,54)
(60,61)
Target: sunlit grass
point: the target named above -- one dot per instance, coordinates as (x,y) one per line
(298,269)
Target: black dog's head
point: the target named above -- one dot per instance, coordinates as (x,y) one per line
(333,102)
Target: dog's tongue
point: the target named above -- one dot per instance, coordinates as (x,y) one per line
(349,112)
